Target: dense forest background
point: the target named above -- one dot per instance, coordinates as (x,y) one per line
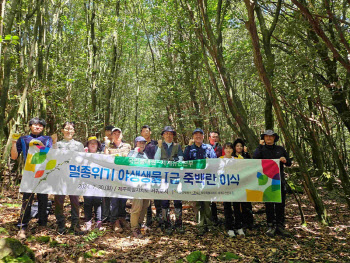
(233,66)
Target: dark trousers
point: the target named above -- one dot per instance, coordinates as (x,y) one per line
(275,211)
(106,209)
(59,204)
(92,203)
(117,208)
(166,204)
(242,212)
(214,212)
(158,205)
(27,206)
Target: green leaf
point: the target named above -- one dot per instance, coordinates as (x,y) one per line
(227,256)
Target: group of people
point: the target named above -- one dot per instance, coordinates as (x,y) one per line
(112,210)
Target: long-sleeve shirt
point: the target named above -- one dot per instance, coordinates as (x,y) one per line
(193,152)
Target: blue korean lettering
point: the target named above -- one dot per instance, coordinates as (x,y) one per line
(175,179)
(74,171)
(210,177)
(156,177)
(188,178)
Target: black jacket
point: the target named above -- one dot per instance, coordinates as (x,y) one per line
(273,152)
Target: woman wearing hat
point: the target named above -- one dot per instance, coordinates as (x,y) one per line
(274,211)
(93,202)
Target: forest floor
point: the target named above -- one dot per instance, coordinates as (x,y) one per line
(310,243)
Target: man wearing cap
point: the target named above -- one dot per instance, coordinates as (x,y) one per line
(118,148)
(274,211)
(150,150)
(139,206)
(199,150)
(19,146)
(170,151)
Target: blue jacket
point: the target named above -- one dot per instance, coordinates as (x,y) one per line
(23,143)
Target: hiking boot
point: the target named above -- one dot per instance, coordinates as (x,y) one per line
(282,231)
(271,231)
(231,233)
(61,229)
(137,233)
(117,227)
(240,232)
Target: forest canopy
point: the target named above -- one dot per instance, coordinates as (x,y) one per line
(237,67)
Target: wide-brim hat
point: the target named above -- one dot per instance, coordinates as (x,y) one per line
(168,129)
(93,138)
(269,132)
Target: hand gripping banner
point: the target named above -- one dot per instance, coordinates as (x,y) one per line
(64,172)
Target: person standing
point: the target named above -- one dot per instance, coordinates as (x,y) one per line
(93,202)
(19,146)
(242,210)
(170,151)
(214,138)
(106,201)
(68,143)
(199,150)
(150,150)
(275,212)
(118,148)
(139,206)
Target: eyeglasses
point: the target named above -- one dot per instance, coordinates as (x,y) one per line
(68,130)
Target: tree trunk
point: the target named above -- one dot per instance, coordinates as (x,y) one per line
(8,60)
(309,186)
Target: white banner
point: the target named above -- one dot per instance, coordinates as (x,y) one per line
(65,172)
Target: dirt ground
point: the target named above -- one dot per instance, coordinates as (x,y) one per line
(313,242)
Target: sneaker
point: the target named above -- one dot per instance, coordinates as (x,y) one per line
(61,230)
(99,226)
(240,232)
(87,226)
(282,231)
(137,233)
(117,227)
(271,231)
(231,233)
